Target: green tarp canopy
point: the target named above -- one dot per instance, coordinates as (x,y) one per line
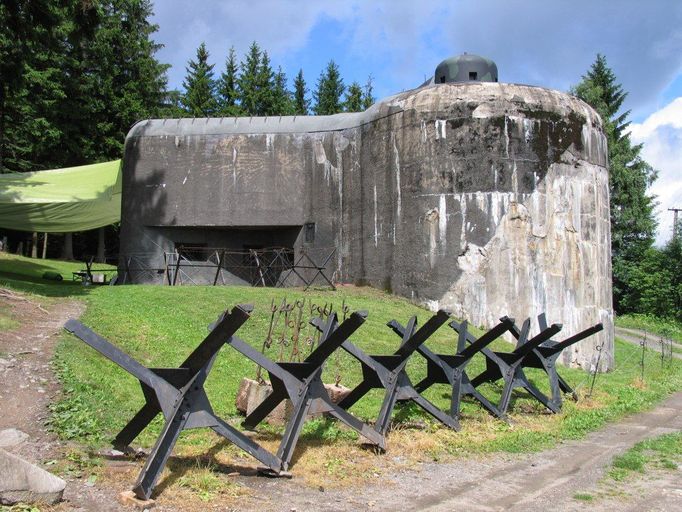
(62,200)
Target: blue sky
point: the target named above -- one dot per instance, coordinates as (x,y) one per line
(400,42)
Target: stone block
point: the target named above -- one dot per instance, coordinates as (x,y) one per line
(21,481)
(251,394)
(12,437)
(337,392)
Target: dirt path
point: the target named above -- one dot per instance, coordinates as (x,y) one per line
(635,337)
(537,482)
(28,385)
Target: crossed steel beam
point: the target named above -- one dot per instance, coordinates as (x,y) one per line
(177,393)
(509,365)
(388,372)
(545,356)
(302,384)
(451,368)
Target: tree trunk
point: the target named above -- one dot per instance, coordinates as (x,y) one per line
(20,248)
(3,93)
(67,251)
(101,250)
(34,245)
(45,246)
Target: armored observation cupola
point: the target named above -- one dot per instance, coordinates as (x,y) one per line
(465,68)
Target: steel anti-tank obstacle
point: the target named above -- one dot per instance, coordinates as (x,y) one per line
(302,384)
(388,372)
(177,393)
(451,368)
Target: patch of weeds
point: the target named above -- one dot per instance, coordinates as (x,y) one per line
(408,413)
(205,483)
(71,418)
(632,460)
(334,465)
(19,507)
(581,496)
(7,323)
(76,464)
(663,452)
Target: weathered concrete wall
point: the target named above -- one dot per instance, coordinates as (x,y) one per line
(485,198)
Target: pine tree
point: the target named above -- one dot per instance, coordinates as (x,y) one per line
(282,104)
(672,256)
(353,101)
(368,98)
(199,98)
(329,90)
(227,87)
(247,83)
(130,83)
(633,224)
(27,41)
(301,103)
(265,84)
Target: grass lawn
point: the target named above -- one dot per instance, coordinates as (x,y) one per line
(160,326)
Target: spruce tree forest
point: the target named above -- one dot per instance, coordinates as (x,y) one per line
(75,75)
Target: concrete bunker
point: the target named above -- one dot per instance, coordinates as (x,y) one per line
(486,198)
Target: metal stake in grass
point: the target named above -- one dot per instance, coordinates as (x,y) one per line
(641,364)
(596,368)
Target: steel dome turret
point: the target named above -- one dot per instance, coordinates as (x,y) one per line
(465,68)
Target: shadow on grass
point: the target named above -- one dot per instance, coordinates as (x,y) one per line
(38,286)
(179,466)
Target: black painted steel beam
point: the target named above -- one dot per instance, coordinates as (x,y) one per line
(388,372)
(545,356)
(301,383)
(451,368)
(509,366)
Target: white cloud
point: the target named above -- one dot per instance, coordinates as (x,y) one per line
(661,134)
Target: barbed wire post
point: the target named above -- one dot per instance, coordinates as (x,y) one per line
(596,368)
(643,344)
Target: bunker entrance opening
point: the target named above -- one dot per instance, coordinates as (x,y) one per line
(256,256)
